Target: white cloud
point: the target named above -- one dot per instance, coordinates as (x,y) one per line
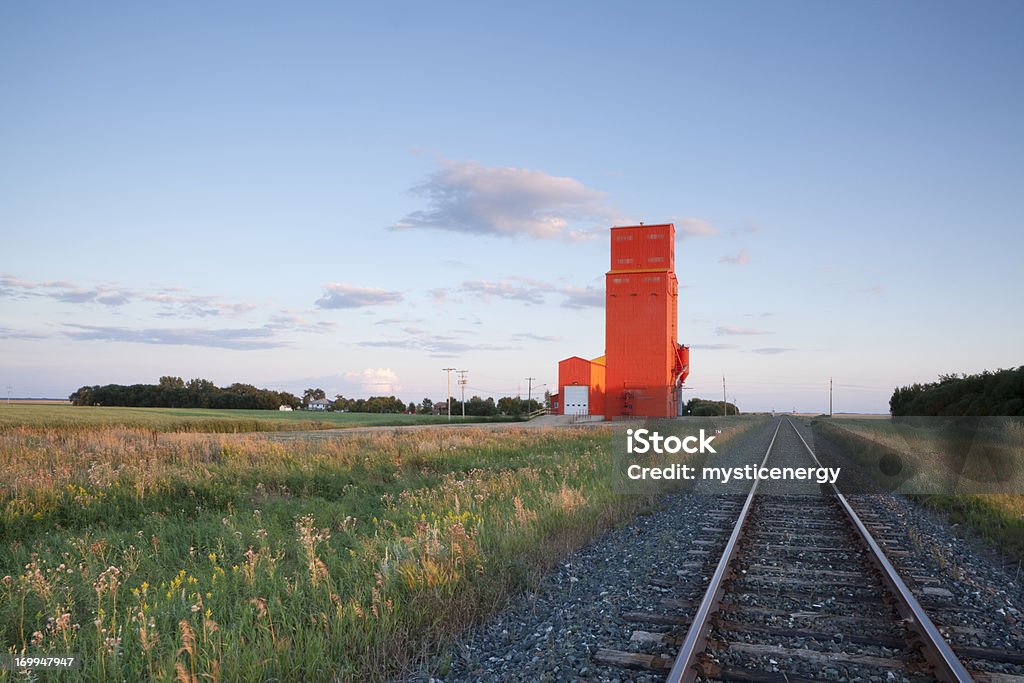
(733,330)
(375,381)
(530,336)
(465,196)
(237,339)
(695,227)
(583,297)
(11,333)
(173,301)
(297,323)
(339,295)
(532,291)
(740,259)
(527,293)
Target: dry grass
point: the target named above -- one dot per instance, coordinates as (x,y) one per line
(92,418)
(212,557)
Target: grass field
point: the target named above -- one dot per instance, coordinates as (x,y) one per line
(69,417)
(928,456)
(240,558)
(243,557)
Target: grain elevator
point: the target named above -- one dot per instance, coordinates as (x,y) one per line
(643,368)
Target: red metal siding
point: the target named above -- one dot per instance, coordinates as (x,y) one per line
(643,247)
(597,382)
(641,325)
(582,372)
(572,371)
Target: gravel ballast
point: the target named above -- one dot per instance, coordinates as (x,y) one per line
(552,633)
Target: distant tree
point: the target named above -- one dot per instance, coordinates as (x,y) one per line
(82,396)
(479,407)
(700,407)
(513,405)
(987,393)
(426,406)
(201,386)
(312,395)
(172,392)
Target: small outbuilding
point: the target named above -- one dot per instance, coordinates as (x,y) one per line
(580,386)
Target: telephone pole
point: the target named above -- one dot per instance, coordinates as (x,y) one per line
(462,383)
(449,371)
(725,406)
(529,394)
(830,397)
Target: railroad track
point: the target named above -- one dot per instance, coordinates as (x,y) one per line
(801,591)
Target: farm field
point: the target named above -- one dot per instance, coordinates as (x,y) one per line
(205,420)
(224,557)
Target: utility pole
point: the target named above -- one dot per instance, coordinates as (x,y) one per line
(725,406)
(830,397)
(462,383)
(449,371)
(529,394)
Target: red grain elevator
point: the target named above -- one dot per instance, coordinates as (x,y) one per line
(643,366)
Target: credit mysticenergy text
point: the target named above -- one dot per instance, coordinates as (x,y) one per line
(645,441)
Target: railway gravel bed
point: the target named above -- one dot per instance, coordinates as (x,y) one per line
(591,600)
(552,633)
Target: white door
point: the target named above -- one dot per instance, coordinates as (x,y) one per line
(576,400)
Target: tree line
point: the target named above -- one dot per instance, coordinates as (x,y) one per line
(986,393)
(475,406)
(174,392)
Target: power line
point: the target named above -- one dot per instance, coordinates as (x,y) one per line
(449,371)
(462,383)
(725,406)
(529,392)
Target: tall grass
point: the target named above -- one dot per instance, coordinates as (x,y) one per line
(208,557)
(936,462)
(88,418)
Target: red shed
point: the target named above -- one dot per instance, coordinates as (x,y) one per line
(581,386)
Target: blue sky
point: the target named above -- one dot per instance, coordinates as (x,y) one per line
(355,197)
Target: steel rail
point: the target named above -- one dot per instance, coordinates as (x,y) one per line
(684,669)
(947,666)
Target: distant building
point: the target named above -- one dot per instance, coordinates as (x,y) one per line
(320,404)
(288,408)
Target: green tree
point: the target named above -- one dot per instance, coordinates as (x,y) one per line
(312,395)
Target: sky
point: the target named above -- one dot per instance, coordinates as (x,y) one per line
(354,196)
